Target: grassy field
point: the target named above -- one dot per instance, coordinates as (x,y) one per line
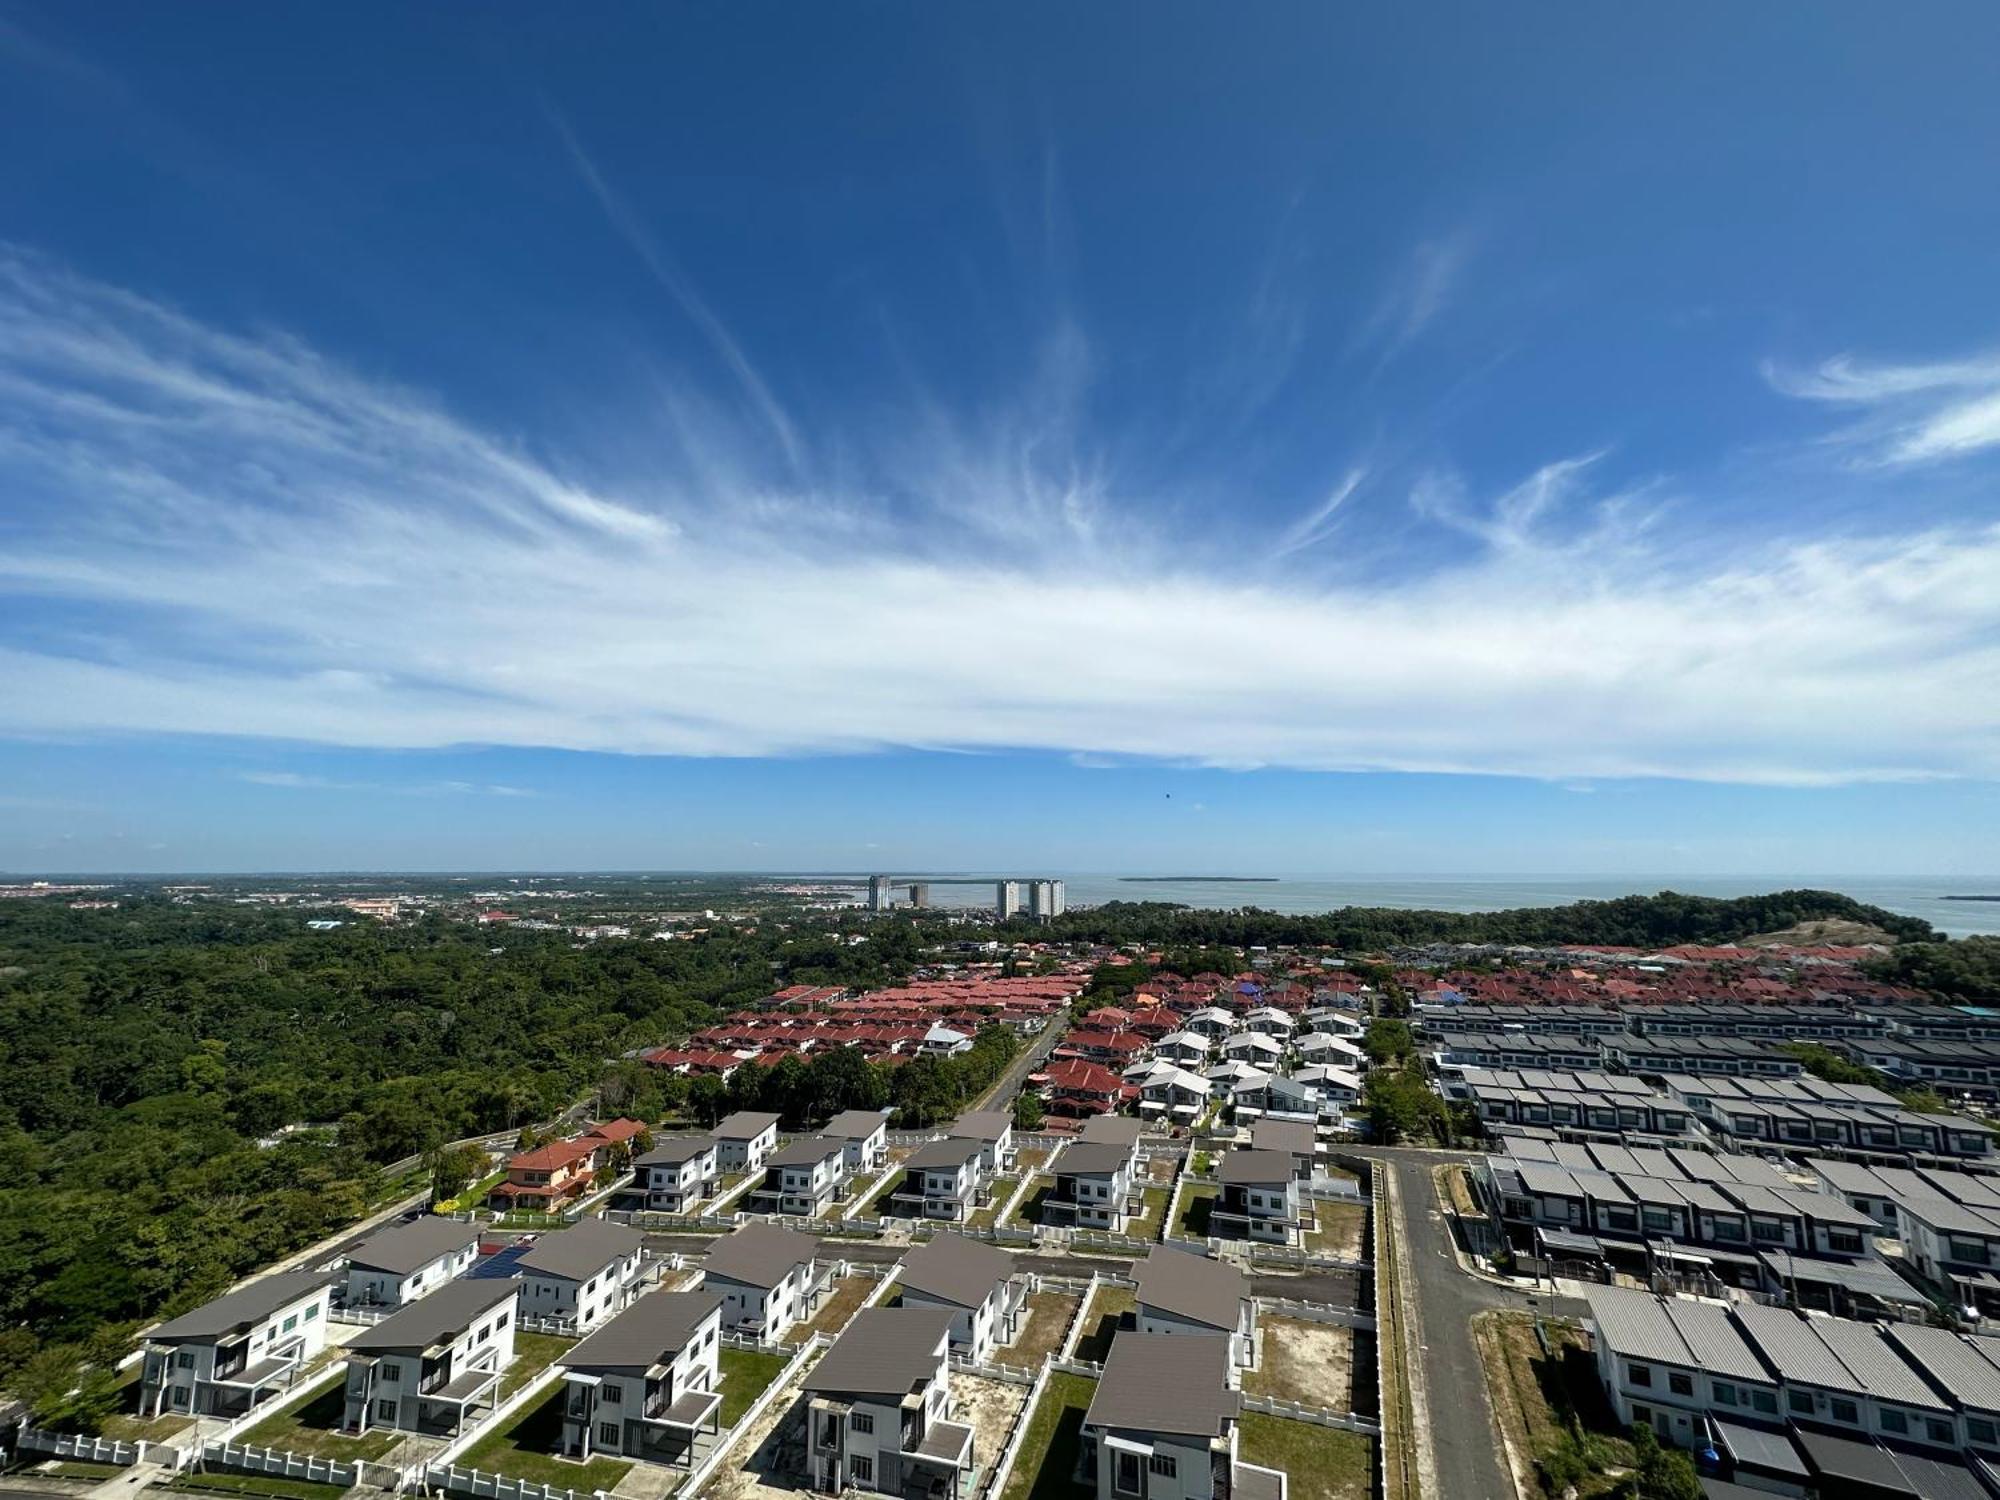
(1100,1321)
(307,1426)
(745,1374)
(878,1197)
(1547,1401)
(1147,1225)
(127,1425)
(1197,1200)
(533,1353)
(1044,1318)
(1048,1455)
(214,1482)
(474,1195)
(1323,1463)
(1337,1228)
(1028,1212)
(526,1447)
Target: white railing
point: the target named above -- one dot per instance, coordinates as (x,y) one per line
(97,1450)
(1017,1431)
(993,1370)
(1316,1312)
(1073,1330)
(454,1480)
(530,1391)
(250,1459)
(1318,1415)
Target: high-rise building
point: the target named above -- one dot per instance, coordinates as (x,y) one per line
(878,892)
(1057,898)
(1045,899)
(1006,899)
(920,893)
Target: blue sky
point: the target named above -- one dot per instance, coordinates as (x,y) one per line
(1306,440)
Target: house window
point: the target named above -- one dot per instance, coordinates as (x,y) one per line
(1979,1430)
(1765,1401)
(1161,1464)
(392,1373)
(180,1398)
(614,1394)
(1894,1421)
(1680,1385)
(184,1359)
(385,1411)
(862,1469)
(1639,1374)
(291,1322)
(1725,1394)
(1799,1401)
(607,1432)
(312,1312)
(861,1421)
(1939,1432)
(1126,1478)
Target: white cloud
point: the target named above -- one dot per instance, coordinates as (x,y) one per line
(267,546)
(1912,413)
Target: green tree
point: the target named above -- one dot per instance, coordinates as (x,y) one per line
(1028,1111)
(1663,1473)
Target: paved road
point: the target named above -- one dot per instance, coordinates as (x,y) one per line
(1002,1093)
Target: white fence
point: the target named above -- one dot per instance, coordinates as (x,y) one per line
(1318,1415)
(97,1450)
(1015,1436)
(249,1459)
(454,1480)
(780,1386)
(1316,1312)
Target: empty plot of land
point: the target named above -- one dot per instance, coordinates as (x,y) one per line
(1337,1228)
(746,1373)
(769,1458)
(308,1426)
(1197,1202)
(1324,1463)
(1297,1360)
(1161,1168)
(988,1407)
(1028,1212)
(1044,1469)
(842,1298)
(1043,1320)
(1101,1320)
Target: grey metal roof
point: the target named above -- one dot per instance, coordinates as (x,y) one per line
(884,1351)
(984,1124)
(804,1153)
(954,1269)
(1190,1285)
(650,1332)
(436,1319)
(1116,1130)
(1957,1366)
(1091,1159)
(1252,1167)
(744,1125)
(581,1251)
(759,1255)
(855,1124)
(1789,1344)
(1166,1382)
(1714,1340)
(672,1150)
(952,1151)
(242,1308)
(1876,1362)
(407,1247)
(1635,1325)
(1761,1448)
(1869,1278)
(1295,1137)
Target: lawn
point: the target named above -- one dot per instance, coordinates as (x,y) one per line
(1031,1157)
(1043,1320)
(1147,1225)
(1337,1228)
(526,1447)
(77,1468)
(1197,1200)
(842,1299)
(533,1353)
(1101,1320)
(745,1374)
(1028,1212)
(473,1196)
(214,1482)
(1324,1463)
(983,1216)
(872,1207)
(307,1426)
(127,1425)
(1046,1464)
(1546,1402)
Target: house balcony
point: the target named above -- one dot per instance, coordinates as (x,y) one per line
(945,1443)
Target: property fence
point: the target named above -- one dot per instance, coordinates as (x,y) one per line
(1316,1312)
(780,1386)
(1318,1415)
(454,1480)
(98,1450)
(248,1458)
(994,1370)
(1017,1431)
(303,1390)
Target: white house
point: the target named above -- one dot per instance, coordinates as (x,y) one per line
(1162,1424)
(1260,1198)
(767,1279)
(677,1173)
(434,1367)
(1181,1292)
(942,1041)
(1268,1018)
(940,1180)
(647,1382)
(237,1351)
(1256,1048)
(865,1135)
(582,1275)
(1186,1049)
(402,1264)
(744,1139)
(994,1130)
(974,1282)
(803,1177)
(1175,1095)
(878,1412)
(1211,1021)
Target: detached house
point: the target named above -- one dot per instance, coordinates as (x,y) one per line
(1162,1424)
(1260,1198)
(1255,1048)
(994,1130)
(940,1180)
(237,1351)
(744,1139)
(974,1282)
(766,1277)
(1295,1139)
(1173,1094)
(678,1173)
(802,1178)
(1079,1088)
(647,1382)
(1184,1049)
(1181,1292)
(434,1367)
(878,1414)
(864,1134)
(547,1177)
(400,1265)
(582,1275)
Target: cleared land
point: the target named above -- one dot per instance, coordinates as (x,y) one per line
(525,1448)
(1108,1306)
(1549,1403)
(989,1408)
(1310,1363)
(1337,1228)
(845,1295)
(1043,1319)
(1044,1467)
(1323,1463)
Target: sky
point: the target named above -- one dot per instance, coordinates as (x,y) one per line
(1273,440)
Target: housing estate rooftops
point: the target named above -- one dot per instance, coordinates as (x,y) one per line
(410,1246)
(671,1151)
(1294,1136)
(804,1153)
(885,1351)
(1193,1287)
(241,1308)
(759,1255)
(1254,1166)
(855,1124)
(580,1252)
(955,1269)
(1113,1130)
(436,1319)
(985,1125)
(649,1332)
(1091,1159)
(744,1125)
(952,1151)
(1166,1382)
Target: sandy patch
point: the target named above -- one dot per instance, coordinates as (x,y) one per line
(990,1406)
(1311,1363)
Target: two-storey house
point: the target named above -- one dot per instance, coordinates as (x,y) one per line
(402,1264)
(864,1136)
(878,1409)
(744,1139)
(802,1178)
(546,1178)
(1095,1187)
(583,1275)
(1162,1424)
(647,1382)
(994,1130)
(434,1367)
(1260,1199)
(237,1351)
(1182,1292)
(677,1173)
(766,1277)
(972,1281)
(940,1180)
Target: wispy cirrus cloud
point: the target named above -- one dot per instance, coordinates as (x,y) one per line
(301,781)
(217,534)
(1910,413)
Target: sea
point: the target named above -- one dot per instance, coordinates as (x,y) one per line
(1923,898)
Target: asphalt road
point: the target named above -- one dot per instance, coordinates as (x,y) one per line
(1001,1094)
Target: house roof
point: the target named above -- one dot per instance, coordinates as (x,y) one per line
(1254,1166)
(952,1151)
(803,1153)
(242,1308)
(855,1124)
(409,1246)
(1091,1159)
(436,1319)
(649,1332)
(1113,1130)
(616,1130)
(581,1251)
(1293,1136)
(885,1351)
(554,1154)
(759,1255)
(1191,1286)
(984,1124)
(1166,1382)
(675,1149)
(954,1269)
(744,1125)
